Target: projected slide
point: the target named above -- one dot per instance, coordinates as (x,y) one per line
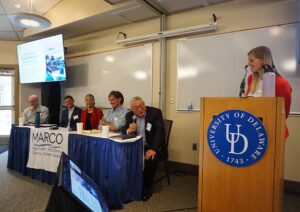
(42,60)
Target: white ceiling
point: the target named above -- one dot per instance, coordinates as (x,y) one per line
(135,11)
(8,31)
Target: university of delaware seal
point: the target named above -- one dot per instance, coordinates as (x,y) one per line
(237,138)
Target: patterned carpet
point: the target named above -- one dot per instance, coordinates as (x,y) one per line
(3,149)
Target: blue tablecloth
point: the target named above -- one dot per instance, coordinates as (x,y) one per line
(115,167)
(18,153)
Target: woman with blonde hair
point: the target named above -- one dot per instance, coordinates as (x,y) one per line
(258,57)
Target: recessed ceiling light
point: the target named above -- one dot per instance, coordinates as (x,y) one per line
(18,5)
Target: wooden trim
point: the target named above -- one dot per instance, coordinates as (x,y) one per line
(279,155)
(201,152)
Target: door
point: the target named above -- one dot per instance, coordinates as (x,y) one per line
(7,102)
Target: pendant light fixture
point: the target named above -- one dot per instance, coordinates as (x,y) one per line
(30,20)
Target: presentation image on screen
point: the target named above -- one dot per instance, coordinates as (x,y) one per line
(83,191)
(42,60)
(77,184)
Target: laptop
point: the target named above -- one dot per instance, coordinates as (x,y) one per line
(79,186)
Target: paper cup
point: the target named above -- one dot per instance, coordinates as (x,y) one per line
(21,122)
(105,131)
(79,128)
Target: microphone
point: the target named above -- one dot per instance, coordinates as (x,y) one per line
(134,119)
(268,68)
(243,83)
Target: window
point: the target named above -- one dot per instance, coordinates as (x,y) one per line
(7,102)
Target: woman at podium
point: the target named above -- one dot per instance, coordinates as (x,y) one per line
(265,79)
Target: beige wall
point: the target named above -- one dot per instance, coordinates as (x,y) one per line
(232,16)
(292,150)
(8,52)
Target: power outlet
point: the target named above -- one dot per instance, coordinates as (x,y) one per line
(194,146)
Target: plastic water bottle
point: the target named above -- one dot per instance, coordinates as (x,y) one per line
(190,106)
(37,119)
(268,88)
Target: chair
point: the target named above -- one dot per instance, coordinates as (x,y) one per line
(168,126)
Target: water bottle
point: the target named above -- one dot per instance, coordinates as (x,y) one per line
(190,106)
(37,119)
(268,88)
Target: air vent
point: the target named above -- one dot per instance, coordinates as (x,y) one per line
(114,1)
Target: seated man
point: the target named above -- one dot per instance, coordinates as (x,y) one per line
(34,106)
(115,117)
(71,115)
(147,122)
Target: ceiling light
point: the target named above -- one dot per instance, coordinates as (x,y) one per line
(18,5)
(30,20)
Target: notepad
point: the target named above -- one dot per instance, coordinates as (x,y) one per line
(123,136)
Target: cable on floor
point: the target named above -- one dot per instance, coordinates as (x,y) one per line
(180,209)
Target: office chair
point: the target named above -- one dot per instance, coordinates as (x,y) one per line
(168,126)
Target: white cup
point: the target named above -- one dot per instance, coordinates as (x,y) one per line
(21,122)
(79,127)
(105,131)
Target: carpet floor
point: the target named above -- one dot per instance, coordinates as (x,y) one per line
(21,193)
(3,149)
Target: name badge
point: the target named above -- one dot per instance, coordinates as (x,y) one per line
(148,127)
(75,117)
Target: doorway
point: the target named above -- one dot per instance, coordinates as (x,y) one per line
(8,107)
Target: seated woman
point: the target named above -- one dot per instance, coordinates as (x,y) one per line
(91,116)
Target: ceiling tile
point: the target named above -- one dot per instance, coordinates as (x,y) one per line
(5,24)
(39,6)
(1,9)
(8,36)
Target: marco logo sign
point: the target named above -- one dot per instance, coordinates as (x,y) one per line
(45,148)
(237,138)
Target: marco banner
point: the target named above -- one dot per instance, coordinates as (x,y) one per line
(46,147)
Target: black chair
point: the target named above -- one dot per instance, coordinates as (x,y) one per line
(168,126)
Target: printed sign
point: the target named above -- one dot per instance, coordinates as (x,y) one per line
(46,147)
(237,138)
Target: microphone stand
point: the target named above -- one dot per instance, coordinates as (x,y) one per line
(243,83)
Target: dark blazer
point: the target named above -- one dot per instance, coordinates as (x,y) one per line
(64,118)
(155,137)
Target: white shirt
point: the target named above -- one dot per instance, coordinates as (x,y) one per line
(258,92)
(70,112)
(29,115)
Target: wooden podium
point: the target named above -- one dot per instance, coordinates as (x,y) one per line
(254,188)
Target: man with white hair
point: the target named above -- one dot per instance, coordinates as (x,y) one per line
(147,122)
(34,106)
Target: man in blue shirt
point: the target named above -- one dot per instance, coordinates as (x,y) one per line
(115,117)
